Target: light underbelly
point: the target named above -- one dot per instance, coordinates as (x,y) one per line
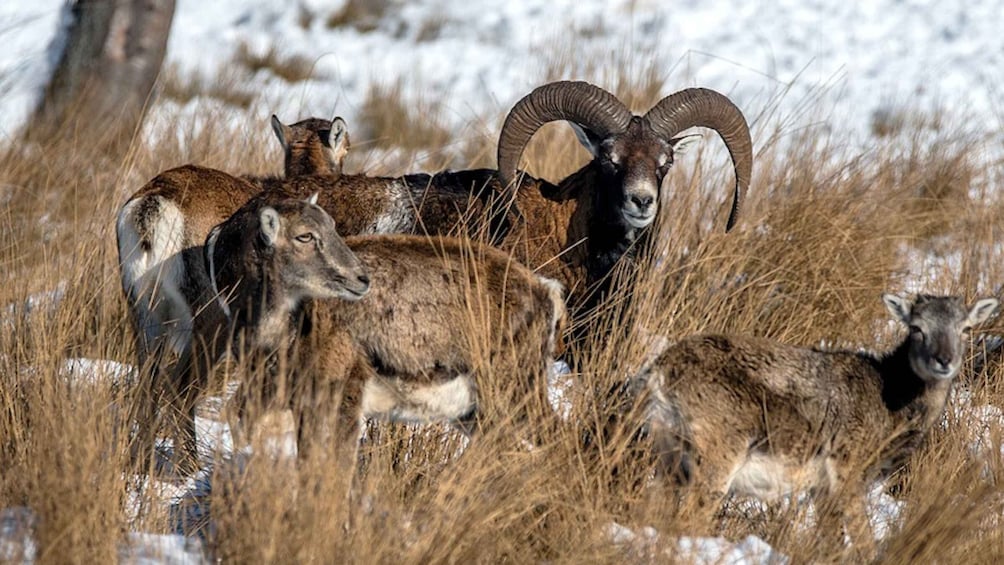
(769,477)
(403,401)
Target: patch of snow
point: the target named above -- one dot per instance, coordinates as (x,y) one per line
(17,543)
(93,371)
(984,422)
(646,538)
(214,437)
(559,388)
(884,511)
(699,550)
(750,549)
(928,266)
(33,34)
(44,302)
(161,549)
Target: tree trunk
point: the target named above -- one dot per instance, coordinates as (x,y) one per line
(101,86)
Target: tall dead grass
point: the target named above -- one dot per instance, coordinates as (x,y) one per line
(822,235)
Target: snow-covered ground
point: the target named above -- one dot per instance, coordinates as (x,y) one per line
(475,58)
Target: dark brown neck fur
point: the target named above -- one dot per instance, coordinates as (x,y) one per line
(901,387)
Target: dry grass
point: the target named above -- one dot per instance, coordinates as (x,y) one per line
(822,235)
(411,134)
(291,68)
(227,86)
(388,120)
(362,15)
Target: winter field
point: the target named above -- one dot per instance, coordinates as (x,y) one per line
(877,134)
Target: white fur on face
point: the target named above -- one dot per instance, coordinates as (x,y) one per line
(634,216)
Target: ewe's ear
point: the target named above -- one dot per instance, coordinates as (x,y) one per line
(281,132)
(982,310)
(587,138)
(684,143)
(312,199)
(898,306)
(338,141)
(269,220)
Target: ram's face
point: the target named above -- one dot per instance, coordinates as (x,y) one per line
(634,164)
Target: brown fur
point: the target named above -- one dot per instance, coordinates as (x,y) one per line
(569,230)
(313,146)
(718,402)
(404,330)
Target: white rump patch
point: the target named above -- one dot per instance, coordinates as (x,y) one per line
(152,278)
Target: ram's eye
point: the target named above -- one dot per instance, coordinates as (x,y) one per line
(916,330)
(305,237)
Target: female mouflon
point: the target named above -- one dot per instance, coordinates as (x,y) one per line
(379,326)
(755,417)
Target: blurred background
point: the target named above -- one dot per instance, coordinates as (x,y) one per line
(457,63)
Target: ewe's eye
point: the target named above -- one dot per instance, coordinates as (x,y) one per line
(305,237)
(915,330)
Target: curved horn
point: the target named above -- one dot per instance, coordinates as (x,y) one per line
(585,104)
(701,107)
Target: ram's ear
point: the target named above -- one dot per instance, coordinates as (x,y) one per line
(281,132)
(898,306)
(312,199)
(587,138)
(684,143)
(269,220)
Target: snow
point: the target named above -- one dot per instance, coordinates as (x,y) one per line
(32,37)
(884,511)
(984,423)
(473,59)
(749,550)
(697,550)
(560,385)
(159,549)
(16,542)
(94,371)
(41,302)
